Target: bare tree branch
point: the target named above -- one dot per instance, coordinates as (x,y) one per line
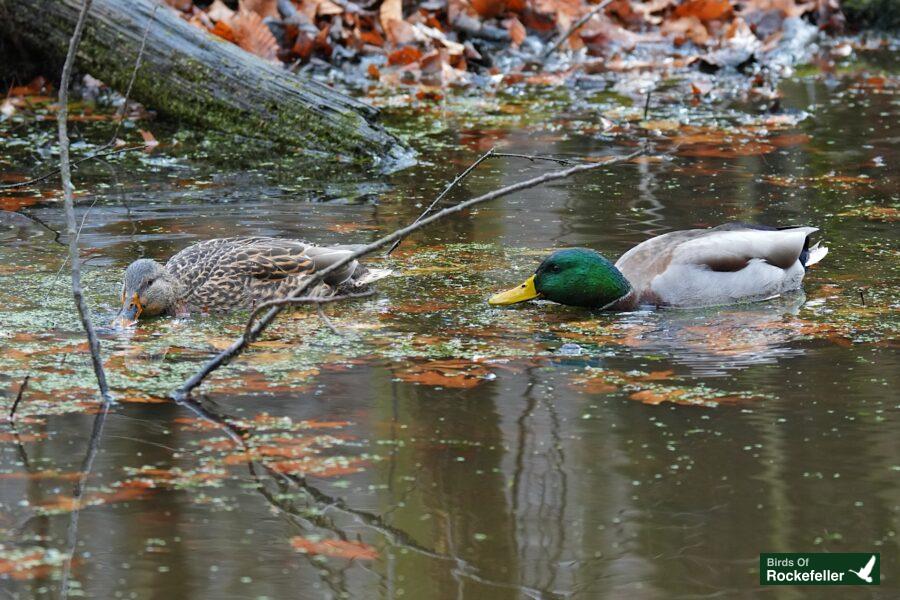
(252,332)
(65,173)
(489,154)
(574,27)
(533,158)
(440,196)
(282,302)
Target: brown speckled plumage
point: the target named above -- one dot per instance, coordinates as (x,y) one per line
(240,272)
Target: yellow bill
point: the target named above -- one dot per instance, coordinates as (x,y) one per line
(520,293)
(129,314)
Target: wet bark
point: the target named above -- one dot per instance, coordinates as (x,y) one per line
(192,76)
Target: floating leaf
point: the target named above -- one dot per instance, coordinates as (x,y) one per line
(334,548)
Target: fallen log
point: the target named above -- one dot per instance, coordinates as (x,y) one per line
(192,76)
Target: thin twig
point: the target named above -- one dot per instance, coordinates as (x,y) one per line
(101,152)
(446,190)
(572,28)
(326,320)
(65,173)
(120,114)
(252,332)
(647,103)
(533,158)
(282,302)
(22,386)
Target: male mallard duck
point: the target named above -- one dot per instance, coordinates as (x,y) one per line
(736,262)
(239,272)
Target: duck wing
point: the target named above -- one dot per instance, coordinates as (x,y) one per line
(241,271)
(732,247)
(724,264)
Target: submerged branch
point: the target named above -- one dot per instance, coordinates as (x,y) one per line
(15,405)
(87,465)
(252,332)
(393,535)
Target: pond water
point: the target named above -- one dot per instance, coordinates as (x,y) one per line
(438,447)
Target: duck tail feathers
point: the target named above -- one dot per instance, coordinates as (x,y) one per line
(816,253)
(372,275)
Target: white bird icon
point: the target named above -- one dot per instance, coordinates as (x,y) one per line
(865,572)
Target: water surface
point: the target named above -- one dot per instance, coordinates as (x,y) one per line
(442,448)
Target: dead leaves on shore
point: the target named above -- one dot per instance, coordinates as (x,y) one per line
(441,43)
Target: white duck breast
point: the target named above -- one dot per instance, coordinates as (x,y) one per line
(722,265)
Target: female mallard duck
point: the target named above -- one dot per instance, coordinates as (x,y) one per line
(730,263)
(239,272)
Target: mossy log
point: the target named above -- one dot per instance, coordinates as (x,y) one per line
(192,76)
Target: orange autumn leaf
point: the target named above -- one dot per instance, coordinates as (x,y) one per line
(705,10)
(36,86)
(335,548)
(747,148)
(656,397)
(253,35)
(404,56)
(224,31)
(372,38)
(789,139)
(41,475)
(488,9)
(451,373)
(373,72)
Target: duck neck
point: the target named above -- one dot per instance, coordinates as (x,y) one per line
(617,291)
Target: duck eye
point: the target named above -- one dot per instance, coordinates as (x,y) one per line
(555,268)
(150,282)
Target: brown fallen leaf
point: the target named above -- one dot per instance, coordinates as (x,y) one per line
(705,10)
(684,29)
(149,140)
(335,548)
(517,32)
(404,56)
(488,9)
